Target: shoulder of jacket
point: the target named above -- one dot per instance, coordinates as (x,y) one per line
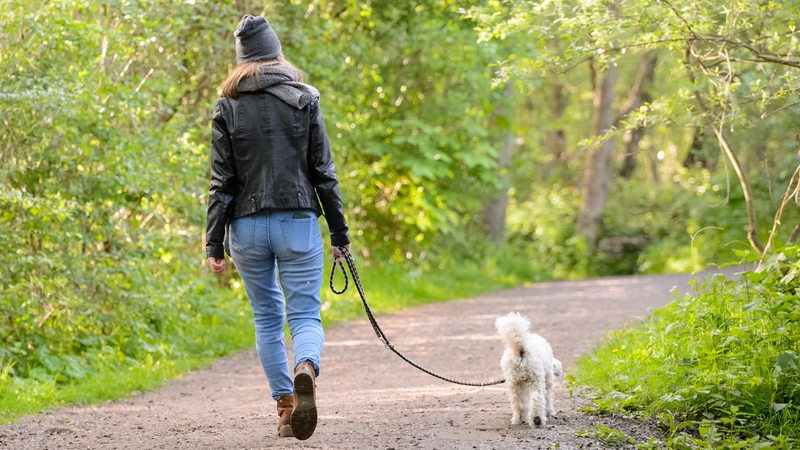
(223,104)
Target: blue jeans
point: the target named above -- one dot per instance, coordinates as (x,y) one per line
(290,242)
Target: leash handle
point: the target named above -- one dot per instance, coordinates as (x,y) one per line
(344,273)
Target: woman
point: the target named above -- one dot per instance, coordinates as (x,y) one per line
(272,175)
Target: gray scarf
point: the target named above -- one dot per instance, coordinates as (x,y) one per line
(281,81)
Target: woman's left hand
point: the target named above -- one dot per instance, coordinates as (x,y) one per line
(217,265)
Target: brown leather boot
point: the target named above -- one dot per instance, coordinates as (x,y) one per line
(304,416)
(285,407)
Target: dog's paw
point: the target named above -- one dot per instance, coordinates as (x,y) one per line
(515,420)
(557,370)
(539,421)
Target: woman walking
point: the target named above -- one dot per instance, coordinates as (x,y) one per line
(272,175)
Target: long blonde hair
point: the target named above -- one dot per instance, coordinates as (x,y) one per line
(230,87)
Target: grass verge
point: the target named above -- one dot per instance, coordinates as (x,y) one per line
(196,348)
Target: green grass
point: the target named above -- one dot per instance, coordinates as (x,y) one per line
(28,396)
(216,337)
(719,368)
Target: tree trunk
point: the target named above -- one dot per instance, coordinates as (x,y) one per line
(638,96)
(597,174)
(697,155)
(631,140)
(495,210)
(555,141)
(652,158)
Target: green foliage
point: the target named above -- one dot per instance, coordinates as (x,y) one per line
(684,226)
(544,227)
(104,169)
(694,225)
(609,437)
(108,374)
(752,40)
(100,195)
(721,365)
(408,120)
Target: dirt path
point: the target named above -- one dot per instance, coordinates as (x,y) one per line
(369,398)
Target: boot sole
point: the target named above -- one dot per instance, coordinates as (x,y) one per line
(304,416)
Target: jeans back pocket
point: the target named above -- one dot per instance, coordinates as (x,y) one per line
(243,234)
(300,232)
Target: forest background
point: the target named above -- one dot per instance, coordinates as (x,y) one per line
(478,145)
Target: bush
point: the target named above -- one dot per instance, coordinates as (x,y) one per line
(722,364)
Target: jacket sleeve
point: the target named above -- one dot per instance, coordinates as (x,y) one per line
(323,178)
(224,183)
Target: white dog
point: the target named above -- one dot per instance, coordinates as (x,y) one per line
(530,370)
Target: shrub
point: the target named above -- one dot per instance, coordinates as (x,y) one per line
(722,363)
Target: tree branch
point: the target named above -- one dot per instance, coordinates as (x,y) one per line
(792,192)
(752,234)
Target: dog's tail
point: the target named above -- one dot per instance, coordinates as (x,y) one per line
(513,328)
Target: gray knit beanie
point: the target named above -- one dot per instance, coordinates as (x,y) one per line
(256,40)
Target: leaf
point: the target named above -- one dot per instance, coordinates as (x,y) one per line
(502,121)
(753,306)
(787,361)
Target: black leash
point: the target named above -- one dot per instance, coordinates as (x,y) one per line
(381,335)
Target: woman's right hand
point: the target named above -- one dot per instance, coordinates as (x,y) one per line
(338,255)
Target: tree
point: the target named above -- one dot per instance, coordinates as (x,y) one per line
(740,64)
(495,208)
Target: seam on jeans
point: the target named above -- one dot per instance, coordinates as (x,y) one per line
(269,240)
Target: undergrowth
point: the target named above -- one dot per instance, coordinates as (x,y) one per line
(190,328)
(719,368)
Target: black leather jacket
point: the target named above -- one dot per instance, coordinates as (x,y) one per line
(268,155)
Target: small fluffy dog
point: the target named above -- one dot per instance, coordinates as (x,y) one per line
(529,368)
